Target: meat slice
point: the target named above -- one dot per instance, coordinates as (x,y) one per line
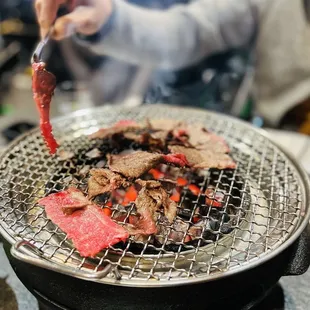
(152,197)
(43,86)
(177,159)
(118,128)
(69,200)
(146,208)
(135,164)
(156,191)
(154,140)
(89,228)
(164,124)
(94,153)
(204,159)
(201,139)
(161,135)
(166,128)
(104,181)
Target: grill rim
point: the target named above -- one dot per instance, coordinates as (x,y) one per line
(305,194)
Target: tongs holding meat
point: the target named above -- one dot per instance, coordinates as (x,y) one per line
(43,86)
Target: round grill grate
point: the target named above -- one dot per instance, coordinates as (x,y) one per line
(266,203)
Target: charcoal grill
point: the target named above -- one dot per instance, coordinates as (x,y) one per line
(271,208)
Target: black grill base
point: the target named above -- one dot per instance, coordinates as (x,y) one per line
(270,300)
(241,291)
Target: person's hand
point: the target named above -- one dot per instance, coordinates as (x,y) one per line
(86,17)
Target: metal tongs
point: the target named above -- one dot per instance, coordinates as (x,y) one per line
(37,54)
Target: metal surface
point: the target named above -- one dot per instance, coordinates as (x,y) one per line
(274,203)
(38,52)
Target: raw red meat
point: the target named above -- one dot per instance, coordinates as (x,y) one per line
(89,228)
(70,200)
(43,86)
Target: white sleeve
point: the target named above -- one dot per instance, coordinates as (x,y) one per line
(177,37)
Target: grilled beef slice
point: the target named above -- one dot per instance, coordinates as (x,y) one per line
(116,129)
(204,159)
(200,138)
(103,181)
(164,124)
(156,191)
(135,164)
(155,141)
(152,197)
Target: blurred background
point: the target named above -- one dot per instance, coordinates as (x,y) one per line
(223,82)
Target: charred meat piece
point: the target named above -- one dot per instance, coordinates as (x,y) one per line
(201,139)
(154,141)
(118,128)
(204,159)
(103,181)
(161,135)
(156,191)
(43,86)
(179,230)
(164,124)
(152,197)
(167,128)
(146,207)
(89,228)
(135,164)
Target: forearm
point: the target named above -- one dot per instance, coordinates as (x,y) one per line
(177,37)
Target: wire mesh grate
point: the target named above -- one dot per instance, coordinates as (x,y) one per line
(264,200)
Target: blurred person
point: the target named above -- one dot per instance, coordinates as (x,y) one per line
(185,34)
(282,78)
